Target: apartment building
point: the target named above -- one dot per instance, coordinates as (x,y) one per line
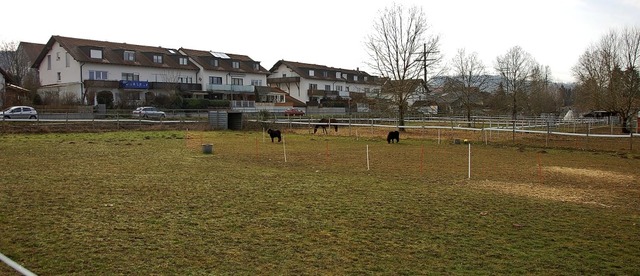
(313,83)
(89,71)
(230,76)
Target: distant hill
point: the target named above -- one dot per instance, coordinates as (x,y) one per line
(493,82)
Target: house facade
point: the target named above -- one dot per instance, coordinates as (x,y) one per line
(311,83)
(82,70)
(232,77)
(10,93)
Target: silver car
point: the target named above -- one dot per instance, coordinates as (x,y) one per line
(19,112)
(149,112)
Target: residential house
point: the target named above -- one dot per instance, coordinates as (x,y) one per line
(11,93)
(315,84)
(80,70)
(30,52)
(410,91)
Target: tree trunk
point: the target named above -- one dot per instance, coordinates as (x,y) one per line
(625,123)
(401,117)
(468,115)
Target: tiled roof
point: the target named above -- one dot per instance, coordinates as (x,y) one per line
(206,60)
(302,69)
(113,53)
(7,77)
(406,85)
(32,50)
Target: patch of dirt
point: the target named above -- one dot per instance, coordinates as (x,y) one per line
(584,188)
(598,175)
(575,195)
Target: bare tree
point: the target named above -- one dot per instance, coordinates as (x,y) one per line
(400,48)
(514,67)
(469,79)
(15,62)
(543,94)
(608,76)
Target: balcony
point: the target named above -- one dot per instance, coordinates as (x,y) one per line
(230,88)
(142,85)
(323,93)
(243,104)
(101,83)
(283,80)
(182,87)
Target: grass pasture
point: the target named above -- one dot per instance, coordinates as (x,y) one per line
(151,203)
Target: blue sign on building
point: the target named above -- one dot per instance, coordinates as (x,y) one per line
(134,84)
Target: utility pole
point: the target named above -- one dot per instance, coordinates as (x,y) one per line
(424,64)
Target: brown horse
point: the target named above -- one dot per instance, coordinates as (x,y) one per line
(323,123)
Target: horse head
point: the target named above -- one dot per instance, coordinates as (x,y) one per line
(323,123)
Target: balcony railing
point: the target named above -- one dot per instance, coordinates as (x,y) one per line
(102,83)
(142,85)
(323,93)
(230,88)
(243,104)
(176,86)
(284,80)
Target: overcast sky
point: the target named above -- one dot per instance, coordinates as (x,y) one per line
(328,32)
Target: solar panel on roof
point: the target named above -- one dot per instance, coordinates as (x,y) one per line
(220,55)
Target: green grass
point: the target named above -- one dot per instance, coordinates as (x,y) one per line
(151,203)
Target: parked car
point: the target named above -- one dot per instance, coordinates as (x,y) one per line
(19,112)
(293,112)
(149,112)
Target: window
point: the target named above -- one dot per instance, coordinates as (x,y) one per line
(338,74)
(366,79)
(214,62)
(157,58)
(183,61)
(97,75)
(185,79)
(347,88)
(311,73)
(325,74)
(355,78)
(130,55)
(130,76)
(236,81)
(313,86)
(96,54)
(57,55)
(327,87)
(48,62)
(215,80)
(256,66)
(284,75)
(338,87)
(59,76)
(67,60)
(256,82)
(235,64)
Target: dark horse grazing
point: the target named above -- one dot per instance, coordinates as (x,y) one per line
(393,135)
(274,133)
(323,123)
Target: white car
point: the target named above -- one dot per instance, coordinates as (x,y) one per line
(19,112)
(149,112)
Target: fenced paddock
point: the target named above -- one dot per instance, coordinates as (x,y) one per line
(149,202)
(579,134)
